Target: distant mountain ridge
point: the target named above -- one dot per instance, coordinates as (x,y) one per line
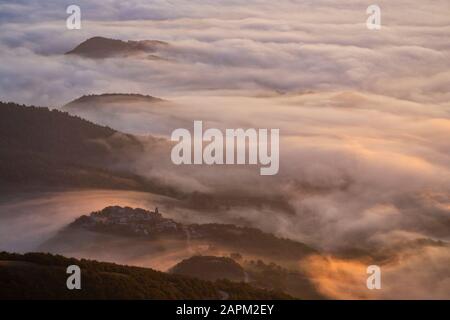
(106,101)
(144,114)
(116,97)
(101,47)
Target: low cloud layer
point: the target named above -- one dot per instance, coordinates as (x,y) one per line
(286,46)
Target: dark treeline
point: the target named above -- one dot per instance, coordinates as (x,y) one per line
(43,276)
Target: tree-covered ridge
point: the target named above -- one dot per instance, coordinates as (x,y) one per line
(43,130)
(43,276)
(44,147)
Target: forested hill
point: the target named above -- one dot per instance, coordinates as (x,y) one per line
(49,131)
(46,147)
(43,276)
